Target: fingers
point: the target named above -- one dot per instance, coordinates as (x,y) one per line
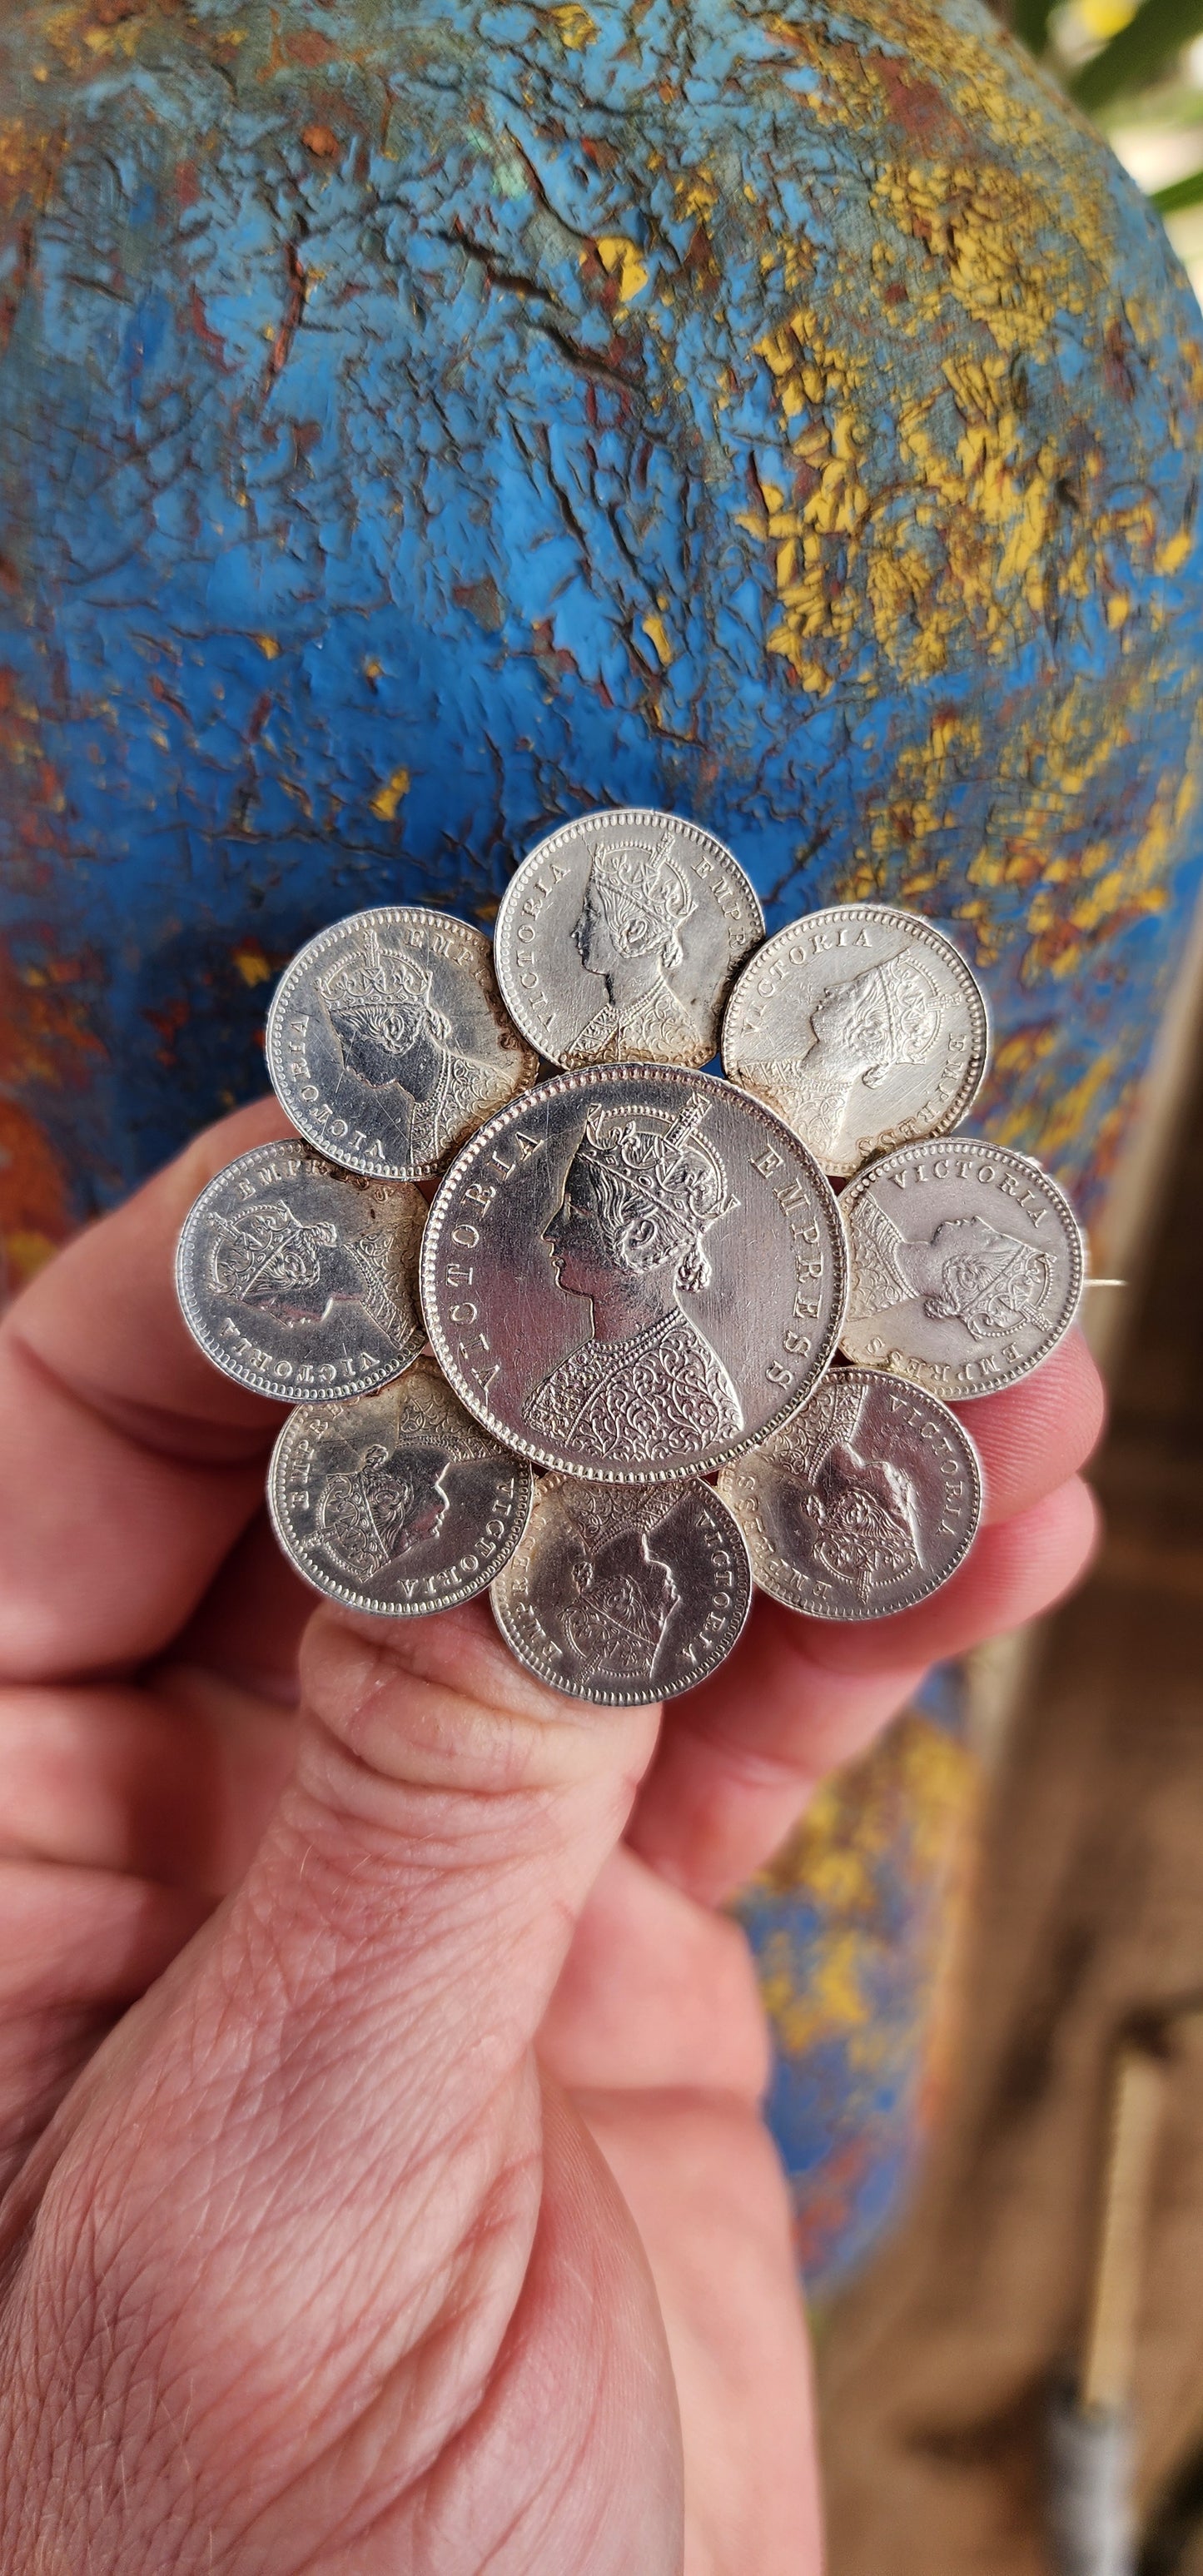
(1032,1436)
(251,1621)
(76,1946)
(342,2063)
(127,1464)
(656,1994)
(740,1756)
(174,1783)
(445,1821)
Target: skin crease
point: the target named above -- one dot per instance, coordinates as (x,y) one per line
(379,2093)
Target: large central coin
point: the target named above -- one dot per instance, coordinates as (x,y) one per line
(633,1272)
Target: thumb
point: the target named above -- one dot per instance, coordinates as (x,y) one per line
(448,1817)
(317,2181)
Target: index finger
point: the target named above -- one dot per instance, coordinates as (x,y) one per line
(128,1466)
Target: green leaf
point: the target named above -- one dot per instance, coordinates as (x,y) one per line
(1184,192)
(1139,53)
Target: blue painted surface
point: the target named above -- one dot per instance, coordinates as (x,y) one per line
(417,425)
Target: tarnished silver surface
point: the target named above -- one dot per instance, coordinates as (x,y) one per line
(624,1593)
(863,1027)
(633,1273)
(396,1503)
(300,1280)
(967,1266)
(387,1042)
(618,938)
(864,1503)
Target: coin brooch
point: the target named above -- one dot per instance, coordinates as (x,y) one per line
(618,939)
(863,1027)
(863,1504)
(967,1266)
(300,1280)
(387,1042)
(633,1272)
(397,1503)
(624,1594)
(633,1275)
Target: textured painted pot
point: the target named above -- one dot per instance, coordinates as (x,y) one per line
(417,424)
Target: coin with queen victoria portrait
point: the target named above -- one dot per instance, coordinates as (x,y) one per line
(864,1504)
(387,1041)
(397,1503)
(624,1594)
(618,938)
(967,1266)
(300,1280)
(633,1272)
(863,1027)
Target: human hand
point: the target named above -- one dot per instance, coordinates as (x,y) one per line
(378,2088)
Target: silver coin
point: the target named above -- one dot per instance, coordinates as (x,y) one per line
(967,1266)
(396,1503)
(863,1027)
(624,1594)
(387,1042)
(864,1503)
(300,1280)
(617,940)
(633,1273)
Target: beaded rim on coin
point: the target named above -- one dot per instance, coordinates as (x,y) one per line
(575,1078)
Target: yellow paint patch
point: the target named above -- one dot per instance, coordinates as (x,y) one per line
(573,25)
(1173,552)
(1118,607)
(372,669)
(622,258)
(653,625)
(252,964)
(268,647)
(28,1252)
(387,798)
(697,193)
(905,1809)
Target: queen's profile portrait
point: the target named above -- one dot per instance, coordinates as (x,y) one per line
(628,935)
(855,1517)
(299,1269)
(968,1272)
(640,1197)
(860,1516)
(391,1033)
(862,1031)
(625,1597)
(375,1513)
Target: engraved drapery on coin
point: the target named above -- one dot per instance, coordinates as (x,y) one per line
(624,1594)
(300,1280)
(397,1503)
(863,1027)
(387,1042)
(863,1504)
(633,1273)
(618,938)
(967,1266)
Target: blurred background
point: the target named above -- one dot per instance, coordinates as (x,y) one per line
(1083,1941)
(246,684)
(1055,2219)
